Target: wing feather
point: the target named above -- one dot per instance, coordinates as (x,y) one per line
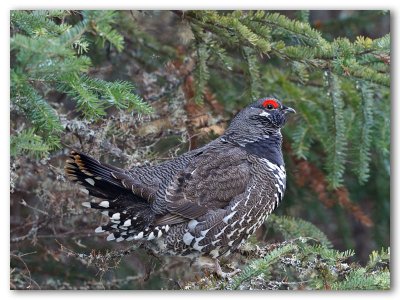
(209,182)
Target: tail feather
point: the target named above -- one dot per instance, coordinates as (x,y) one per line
(126,201)
(95,176)
(128,222)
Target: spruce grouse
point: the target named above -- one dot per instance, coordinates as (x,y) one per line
(207,201)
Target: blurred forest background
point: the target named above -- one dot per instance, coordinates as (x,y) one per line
(139,87)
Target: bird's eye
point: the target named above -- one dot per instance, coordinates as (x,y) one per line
(269,106)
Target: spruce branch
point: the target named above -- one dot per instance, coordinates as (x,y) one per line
(201,72)
(50,56)
(28,143)
(253,73)
(292,228)
(261,266)
(367,120)
(337,153)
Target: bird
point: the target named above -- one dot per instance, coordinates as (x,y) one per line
(207,201)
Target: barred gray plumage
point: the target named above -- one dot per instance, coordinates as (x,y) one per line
(207,201)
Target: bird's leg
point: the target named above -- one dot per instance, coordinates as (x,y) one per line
(212,264)
(221,273)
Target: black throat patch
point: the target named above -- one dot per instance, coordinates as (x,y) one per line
(269,148)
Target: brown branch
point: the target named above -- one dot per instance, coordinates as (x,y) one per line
(310,175)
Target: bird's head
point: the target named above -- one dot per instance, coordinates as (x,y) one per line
(259,120)
(268,112)
(266,115)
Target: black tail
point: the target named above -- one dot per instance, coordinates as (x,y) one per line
(95,176)
(131,216)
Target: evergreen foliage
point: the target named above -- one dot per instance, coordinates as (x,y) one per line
(306,261)
(29,143)
(202,73)
(261,266)
(48,50)
(291,228)
(367,122)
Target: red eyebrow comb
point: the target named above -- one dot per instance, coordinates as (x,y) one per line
(270,101)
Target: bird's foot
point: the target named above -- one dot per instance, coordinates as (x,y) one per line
(212,266)
(222,274)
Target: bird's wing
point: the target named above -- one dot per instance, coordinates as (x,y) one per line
(210,181)
(150,179)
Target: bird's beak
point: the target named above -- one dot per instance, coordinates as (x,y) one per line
(288,109)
